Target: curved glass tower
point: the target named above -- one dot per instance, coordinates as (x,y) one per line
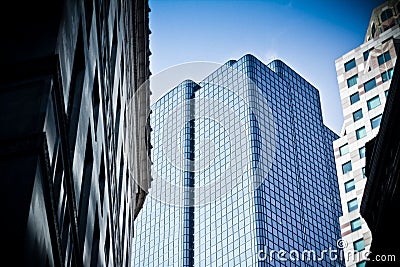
(243,168)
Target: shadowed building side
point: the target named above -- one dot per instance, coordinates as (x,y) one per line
(74,136)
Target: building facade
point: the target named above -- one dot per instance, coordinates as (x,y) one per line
(243,168)
(364,76)
(381,194)
(72,138)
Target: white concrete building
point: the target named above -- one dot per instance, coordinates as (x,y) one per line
(364,75)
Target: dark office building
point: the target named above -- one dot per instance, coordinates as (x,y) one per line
(381,197)
(73,143)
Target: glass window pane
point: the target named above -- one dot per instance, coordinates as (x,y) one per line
(343,150)
(385,76)
(366,55)
(352,81)
(373,103)
(363,172)
(386,93)
(352,205)
(361,133)
(354,98)
(375,122)
(349,186)
(350,64)
(361,264)
(387,56)
(347,167)
(390,73)
(359,245)
(371,84)
(357,115)
(381,59)
(355,224)
(361,152)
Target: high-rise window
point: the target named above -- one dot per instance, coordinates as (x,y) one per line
(366,54)
(352,205)
(361,133)
(371,84)
(359,245)
(349,186)
(363,172)
(357,115)
(347,167)
(361,152)
(385,57)
(355,224)
(387,75)
(373,102)
(354,98)
(386,14)
(343,150)
(352,81)
(375,122)
(361,264)
(386,93)
(350,64)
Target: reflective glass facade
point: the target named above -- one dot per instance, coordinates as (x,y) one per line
(296,204)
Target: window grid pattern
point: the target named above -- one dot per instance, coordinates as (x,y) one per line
(296,206)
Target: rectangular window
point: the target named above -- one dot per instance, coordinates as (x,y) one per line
(352,81)
(354,98)
(387,75)
(352,205)
(361,133)
(359,245)
(355,224)
(371,84)
(386,93)
(349,65)
(375,122)
(361,152)
(343,150)
(366,53)
(361,264)
(347,167)
(363,172)
(349,186)
(373,102)
(383,58)
(357,115)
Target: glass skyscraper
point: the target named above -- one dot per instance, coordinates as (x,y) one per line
(243,167)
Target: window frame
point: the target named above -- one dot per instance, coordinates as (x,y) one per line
(358,112)
(344,165)
(349,65)
(371,102)
(346,151)
(359,241)
(354,200)
(353,95)
(354,229)
(351,187)
(374,118)
(353,80)
(369,85)
(359,130)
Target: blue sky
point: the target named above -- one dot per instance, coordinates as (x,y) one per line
(307,35)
